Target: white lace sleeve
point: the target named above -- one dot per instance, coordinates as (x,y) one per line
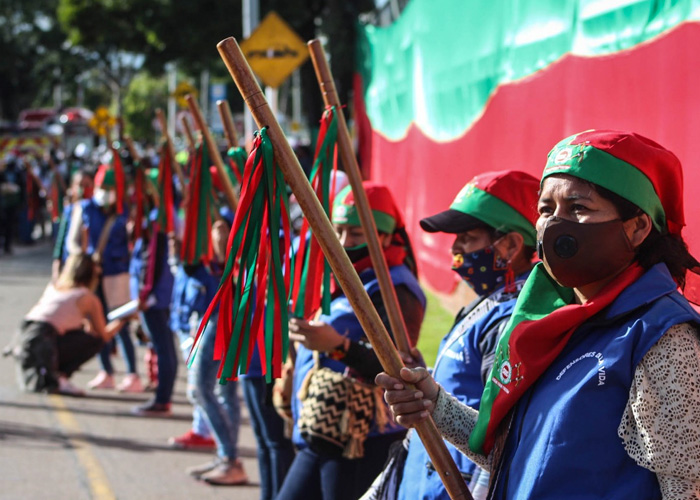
(456,421)
(660,427)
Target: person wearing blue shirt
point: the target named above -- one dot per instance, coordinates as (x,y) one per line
(493,220)
(595,387)
(320,471)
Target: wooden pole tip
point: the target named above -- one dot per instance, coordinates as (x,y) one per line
(226,41)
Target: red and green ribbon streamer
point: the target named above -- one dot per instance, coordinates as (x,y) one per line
(56,194)
(543,320)
(166,207)
(236,159)
(254,290)
(196,240)
(312,279)
(119,179)
(139,199)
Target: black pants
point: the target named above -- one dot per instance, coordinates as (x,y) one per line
(75,348)
(43,354)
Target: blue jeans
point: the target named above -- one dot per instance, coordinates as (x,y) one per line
(275,452)
(313,476)
(199,424)
(155,322)
(222,411)
(125,342)
(127,348)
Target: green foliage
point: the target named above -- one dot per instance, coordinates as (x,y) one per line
(144,95)
(33,59)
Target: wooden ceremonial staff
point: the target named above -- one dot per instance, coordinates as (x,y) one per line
(347,155)
(188,133)
(227,120)
(229,192)
(171,149)
(340,263)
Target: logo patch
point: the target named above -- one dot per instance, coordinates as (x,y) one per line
(563,155)
(506,372)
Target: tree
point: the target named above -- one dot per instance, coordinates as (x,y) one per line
(145,94)
(33,59)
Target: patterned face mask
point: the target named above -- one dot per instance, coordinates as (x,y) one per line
(483,270)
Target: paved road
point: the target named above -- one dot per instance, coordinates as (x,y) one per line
(57,447)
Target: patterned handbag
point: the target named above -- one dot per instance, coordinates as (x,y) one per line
(337,412)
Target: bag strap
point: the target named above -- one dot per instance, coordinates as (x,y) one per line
(104,236)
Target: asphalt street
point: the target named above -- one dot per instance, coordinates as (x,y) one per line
(59,447)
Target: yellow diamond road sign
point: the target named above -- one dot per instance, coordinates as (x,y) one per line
(274,50)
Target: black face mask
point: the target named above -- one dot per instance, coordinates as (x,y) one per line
(357,253)
(576,254)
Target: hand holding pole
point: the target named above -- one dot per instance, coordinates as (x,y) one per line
(340,263)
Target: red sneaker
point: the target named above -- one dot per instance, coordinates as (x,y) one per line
(192,441)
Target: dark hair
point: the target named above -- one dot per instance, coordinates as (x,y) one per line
(667,248)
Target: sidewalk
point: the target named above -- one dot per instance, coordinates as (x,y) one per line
(59,447)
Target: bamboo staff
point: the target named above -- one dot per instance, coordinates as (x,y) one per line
(171,149)
(227,120)
(386,287)
(340,263)
(188,133)
(229,192)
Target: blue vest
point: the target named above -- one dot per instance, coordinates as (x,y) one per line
(458,371)
(115,257)
(343,319)
(563,440)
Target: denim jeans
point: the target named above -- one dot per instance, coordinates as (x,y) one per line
(275,452)
(125,342)
(155,322)
(313,476)
(219,402)
(199,424)
(127,348)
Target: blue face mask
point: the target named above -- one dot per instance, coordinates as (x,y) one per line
(483,270)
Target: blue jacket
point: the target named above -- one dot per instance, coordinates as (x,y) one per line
(191,294)
(563,441)
(464,359)
(343,319)
(115,257)
(163,286)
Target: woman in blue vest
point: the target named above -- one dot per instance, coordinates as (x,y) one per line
(493,222)
(595,389)
(341,345)
(88,220)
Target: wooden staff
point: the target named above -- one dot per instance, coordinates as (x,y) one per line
(171,149)
(340,263)
(347,155)
(192,143)
(229,192)
(227,120)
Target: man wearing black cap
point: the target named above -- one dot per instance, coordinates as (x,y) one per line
(493,220)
